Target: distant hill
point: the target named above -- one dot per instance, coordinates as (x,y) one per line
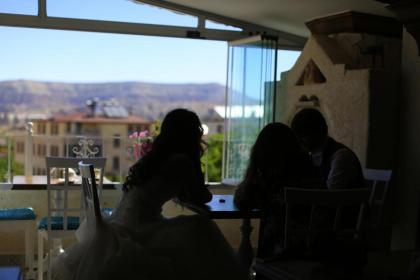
(148,100)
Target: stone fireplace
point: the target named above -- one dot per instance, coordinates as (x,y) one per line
(349,69)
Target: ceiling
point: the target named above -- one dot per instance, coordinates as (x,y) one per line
(283,15)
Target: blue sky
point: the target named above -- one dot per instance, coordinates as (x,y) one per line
(71,56)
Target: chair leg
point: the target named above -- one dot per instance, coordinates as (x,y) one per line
(29,250)
(50,257)
(40,257)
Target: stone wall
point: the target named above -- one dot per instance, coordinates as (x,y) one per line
(356,98)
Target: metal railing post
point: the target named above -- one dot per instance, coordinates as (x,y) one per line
(206,178)
(9,159)
(29,141)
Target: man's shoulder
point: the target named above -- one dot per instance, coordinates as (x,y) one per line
(339,151)
(344,152)
(345,156)
(334,146)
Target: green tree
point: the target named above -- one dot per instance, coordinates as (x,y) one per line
(17,168)
(214,157)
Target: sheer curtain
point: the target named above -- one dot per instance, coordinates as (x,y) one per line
(250,101)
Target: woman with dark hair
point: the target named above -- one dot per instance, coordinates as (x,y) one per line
(137,242)
(277,161)
(180,134)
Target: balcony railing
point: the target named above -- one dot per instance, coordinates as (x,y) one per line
(24,153)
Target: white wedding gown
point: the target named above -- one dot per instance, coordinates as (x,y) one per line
(136,242)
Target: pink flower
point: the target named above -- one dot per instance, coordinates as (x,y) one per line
(133,135)
(144,134)
(142,143)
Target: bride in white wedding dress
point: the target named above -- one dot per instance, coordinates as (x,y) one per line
(137,242)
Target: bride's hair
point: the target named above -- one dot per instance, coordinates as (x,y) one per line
(180,133)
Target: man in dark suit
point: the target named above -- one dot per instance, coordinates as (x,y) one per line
(338,165)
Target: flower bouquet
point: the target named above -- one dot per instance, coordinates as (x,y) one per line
(142,143)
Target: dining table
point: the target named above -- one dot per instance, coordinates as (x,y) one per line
(222,207)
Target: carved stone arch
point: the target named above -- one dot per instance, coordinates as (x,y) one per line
(311,74)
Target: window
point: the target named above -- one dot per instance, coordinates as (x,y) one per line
(61,120)
(41,128)
(221,26)
(68,128)
(122,10)
(130,129)
(78,128)
(285,61)
(115,163)
(41,150)
(54,129)
(250,99)
(20,147)
(117,141)
(54,151)
(135,128)
(220,128)
(22,7)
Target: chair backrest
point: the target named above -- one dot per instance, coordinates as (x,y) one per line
(59,189)
(90,193)
(318,201)
(379,181)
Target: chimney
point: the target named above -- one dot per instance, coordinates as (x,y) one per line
(91,105)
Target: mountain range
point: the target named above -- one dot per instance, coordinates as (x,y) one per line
(149,100)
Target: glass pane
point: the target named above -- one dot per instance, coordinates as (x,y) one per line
(250,92)
(23,7)
(285,61)
(216,25)
(118,10)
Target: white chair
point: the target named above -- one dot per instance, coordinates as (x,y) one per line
(94,220)
(379,232)
(378,180)
(21,219)
(62,219)
(302,268)
(90,193)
